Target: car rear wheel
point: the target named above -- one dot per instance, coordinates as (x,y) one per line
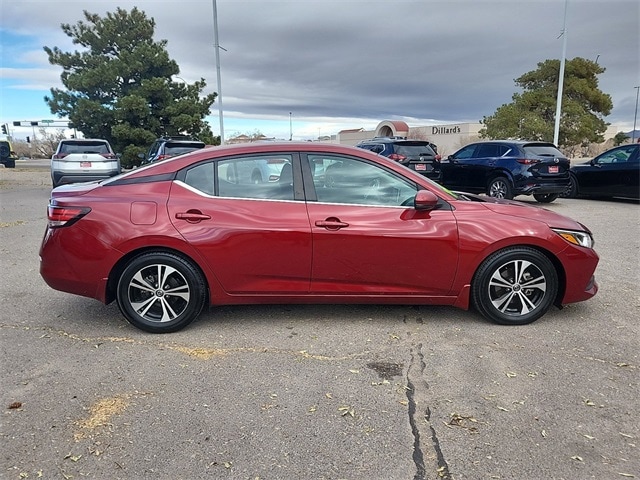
(545,197)
(514,286)
(500,187)
(161,292)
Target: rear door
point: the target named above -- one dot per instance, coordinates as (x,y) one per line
(467,169)
(256,238)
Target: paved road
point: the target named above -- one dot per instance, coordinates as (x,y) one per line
(317,392)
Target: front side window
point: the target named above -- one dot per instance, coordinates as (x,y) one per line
(618,155)
(347,180)
(466,152)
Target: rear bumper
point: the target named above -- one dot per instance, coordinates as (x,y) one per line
(543,188)
(62,178)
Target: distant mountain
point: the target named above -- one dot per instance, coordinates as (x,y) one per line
(631,134)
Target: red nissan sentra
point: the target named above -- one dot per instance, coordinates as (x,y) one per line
(330,224)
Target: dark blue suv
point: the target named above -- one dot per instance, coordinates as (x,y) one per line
(507,168)
(418,155)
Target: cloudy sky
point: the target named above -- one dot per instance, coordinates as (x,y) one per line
(315,67)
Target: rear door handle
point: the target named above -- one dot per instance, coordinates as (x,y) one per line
(193,216)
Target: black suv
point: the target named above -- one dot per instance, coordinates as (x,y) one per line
(166,147)
(7,155)
(507,168)
(418,155)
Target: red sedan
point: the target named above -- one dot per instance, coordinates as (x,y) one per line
(331,224)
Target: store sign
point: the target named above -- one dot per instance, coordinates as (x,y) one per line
(449,129)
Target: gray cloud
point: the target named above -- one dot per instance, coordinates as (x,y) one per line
(425,60)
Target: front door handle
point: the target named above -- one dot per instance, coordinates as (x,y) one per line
(331,224)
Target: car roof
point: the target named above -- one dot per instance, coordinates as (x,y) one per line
(515,142)
(255,148)
(83,140)
(394,140)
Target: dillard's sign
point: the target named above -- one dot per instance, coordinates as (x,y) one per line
(449,129)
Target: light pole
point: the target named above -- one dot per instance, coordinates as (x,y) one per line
(635,116)
(217,47)
(291,128)
(556,129)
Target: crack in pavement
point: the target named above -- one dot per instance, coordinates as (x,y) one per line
(418,364)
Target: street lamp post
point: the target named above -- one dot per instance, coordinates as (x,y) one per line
(217,47)
(556,129)
(290,128)
(635,116)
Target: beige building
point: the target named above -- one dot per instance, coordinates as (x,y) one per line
(449,138)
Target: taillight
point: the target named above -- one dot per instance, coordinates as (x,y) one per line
(108,155)
(528,161)
(65,216)
(60,156)
(397,157)
(438,158)
(162,157)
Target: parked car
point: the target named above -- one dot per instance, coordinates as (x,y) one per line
(258,170)
(614,173)
(418,155)
(166,147)
(341,225)
(507,168)
(83,160)
(7,155)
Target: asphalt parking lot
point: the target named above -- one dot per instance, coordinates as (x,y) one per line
(317,392)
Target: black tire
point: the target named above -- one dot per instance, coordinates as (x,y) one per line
(500,187)
(161,308)
(514,286)
(5,151)
(572,191)
(545,197)
(10,164)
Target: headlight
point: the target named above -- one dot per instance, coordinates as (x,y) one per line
(575,237)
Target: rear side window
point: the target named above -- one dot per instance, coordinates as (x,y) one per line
(201,178)
(488,150)
(265,177)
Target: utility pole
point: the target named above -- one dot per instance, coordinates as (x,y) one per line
(217,47)
(635,116)
(556,130)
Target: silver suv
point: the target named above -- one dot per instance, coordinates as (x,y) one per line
(83,160)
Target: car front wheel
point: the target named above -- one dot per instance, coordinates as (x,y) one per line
(161,292)
(572,191)
(500,187)
(514,286)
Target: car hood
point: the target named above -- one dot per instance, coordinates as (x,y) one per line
(534,213)
(581,165)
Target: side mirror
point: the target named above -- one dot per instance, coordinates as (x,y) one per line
(425,200)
